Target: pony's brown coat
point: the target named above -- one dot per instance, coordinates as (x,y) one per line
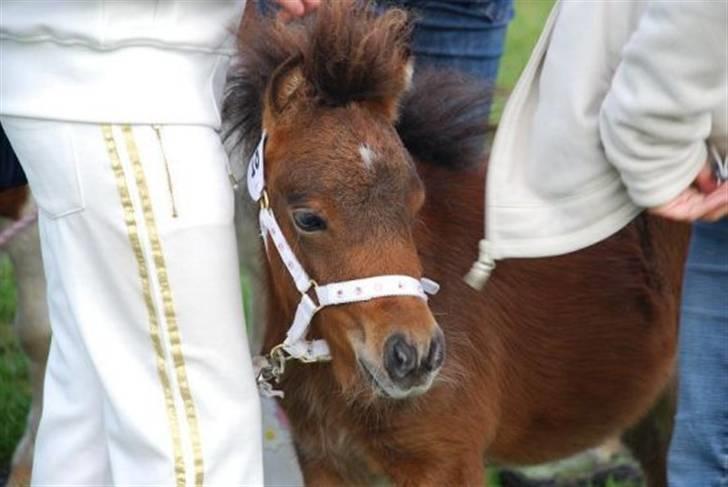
(553,356)
(12,201)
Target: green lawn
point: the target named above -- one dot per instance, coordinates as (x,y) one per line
(14,390)
(522,35)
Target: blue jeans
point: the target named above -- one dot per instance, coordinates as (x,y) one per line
(465,35)
(699,449)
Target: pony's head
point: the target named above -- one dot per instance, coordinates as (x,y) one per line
(327,91)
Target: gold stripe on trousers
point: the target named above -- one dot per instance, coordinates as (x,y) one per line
(170,314)
(154,333)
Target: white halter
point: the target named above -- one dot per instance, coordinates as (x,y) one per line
(295,345)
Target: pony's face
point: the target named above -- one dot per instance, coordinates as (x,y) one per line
(327,91)
(347,195)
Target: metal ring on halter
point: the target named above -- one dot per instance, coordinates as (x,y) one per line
(278,360)
(312,284)
(264,201)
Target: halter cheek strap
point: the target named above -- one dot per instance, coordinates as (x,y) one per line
(295,344)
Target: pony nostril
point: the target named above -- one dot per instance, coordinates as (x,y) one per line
(436,355)
(400,358)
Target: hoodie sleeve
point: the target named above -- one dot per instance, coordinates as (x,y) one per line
(659,109)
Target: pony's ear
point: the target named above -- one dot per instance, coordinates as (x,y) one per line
(285,88)
(407,73)
(389,106)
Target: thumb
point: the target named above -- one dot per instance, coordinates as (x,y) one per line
(705,181)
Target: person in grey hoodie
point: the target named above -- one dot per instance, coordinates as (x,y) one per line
(623,107)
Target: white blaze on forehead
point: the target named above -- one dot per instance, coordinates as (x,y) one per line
(367,155)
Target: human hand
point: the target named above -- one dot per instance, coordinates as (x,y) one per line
(706,199)
(291,9)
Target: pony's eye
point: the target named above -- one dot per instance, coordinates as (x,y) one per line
(308,221)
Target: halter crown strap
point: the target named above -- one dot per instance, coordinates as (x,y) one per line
(17,227)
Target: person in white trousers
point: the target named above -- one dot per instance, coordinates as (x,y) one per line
(113,110)
(149,379)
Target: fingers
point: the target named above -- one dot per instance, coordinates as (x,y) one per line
(716,204)
(706,181)
(291,9)
(706,200)
(680,208)
(692,205)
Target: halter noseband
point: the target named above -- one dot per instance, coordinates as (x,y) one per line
(295,345)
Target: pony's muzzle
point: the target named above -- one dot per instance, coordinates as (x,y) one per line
(409,365)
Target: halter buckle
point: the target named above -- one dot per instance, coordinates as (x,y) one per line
(274,365)
(270,369)
(264,201)
(313,285)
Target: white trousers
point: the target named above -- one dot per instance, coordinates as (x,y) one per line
(149,379)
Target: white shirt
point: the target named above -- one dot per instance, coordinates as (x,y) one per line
(106,61)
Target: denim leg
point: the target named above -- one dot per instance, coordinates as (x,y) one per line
(464,35)
(699,449)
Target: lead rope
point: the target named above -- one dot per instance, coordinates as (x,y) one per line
(270,368)
(17,227)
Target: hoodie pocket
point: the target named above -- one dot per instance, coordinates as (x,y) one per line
(46,152)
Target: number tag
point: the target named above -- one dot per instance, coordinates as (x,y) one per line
(256,177)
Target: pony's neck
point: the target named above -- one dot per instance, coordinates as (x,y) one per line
(281,306)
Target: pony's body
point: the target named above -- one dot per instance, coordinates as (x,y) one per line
(370,174)
(553,357)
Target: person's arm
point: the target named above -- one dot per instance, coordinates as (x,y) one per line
(658,113)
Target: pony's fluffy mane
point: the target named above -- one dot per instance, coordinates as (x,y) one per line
(349,53)
(444,119)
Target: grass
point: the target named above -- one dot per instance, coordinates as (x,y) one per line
(14,390)
(522,35)
(14,387)
(520,39)
(615,483)
(7,290)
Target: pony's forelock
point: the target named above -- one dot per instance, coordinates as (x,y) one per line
(348,52)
